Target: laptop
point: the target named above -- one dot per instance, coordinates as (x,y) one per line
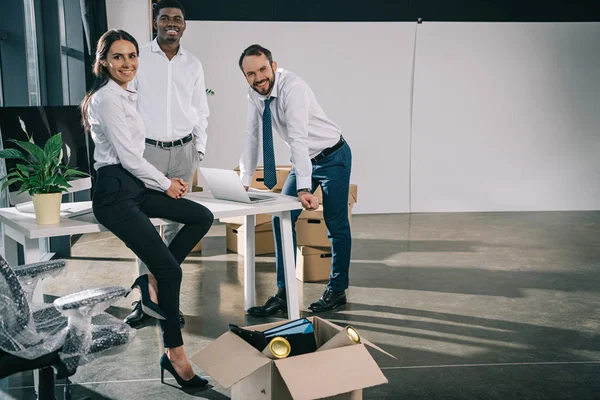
(225,184)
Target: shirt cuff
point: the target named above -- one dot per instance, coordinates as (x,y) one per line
(200,147)
(165,184)
(303,182)
(246,179)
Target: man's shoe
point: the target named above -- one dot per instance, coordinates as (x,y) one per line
(271,307)
(328,301)
(137,316)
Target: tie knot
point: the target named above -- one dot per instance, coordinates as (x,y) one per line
(268,101)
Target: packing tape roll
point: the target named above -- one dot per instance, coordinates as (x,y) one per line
(346,337)
(278,347)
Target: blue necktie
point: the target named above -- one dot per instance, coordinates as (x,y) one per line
(268,152)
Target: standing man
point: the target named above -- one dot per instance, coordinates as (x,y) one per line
(282,101)
(172,102)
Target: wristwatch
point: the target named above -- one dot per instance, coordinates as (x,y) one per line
(303,190)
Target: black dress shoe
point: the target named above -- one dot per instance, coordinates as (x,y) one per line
(329,301)
(138,317)
(271,307)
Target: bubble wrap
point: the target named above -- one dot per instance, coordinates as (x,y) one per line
(74,325)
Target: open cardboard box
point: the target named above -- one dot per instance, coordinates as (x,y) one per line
(258,179)
(338,373)
(352,194)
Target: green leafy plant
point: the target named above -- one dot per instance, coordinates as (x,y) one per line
(41,170)
(209,92)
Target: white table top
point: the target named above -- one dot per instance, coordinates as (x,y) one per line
(24,222)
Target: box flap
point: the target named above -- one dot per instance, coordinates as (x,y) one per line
(308,250)
(229,359)
(241,229)
(326,330)
(310,376)
(314,214)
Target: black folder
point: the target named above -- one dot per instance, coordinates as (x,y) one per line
(255,338)
(299,333)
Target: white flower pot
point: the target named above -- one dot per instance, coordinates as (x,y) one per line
(47,208)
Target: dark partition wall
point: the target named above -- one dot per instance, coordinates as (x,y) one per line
(395,10)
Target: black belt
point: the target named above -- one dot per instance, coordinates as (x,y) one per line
(178,142)
(329,150)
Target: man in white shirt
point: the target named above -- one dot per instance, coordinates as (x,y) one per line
(173,105)
(279,100)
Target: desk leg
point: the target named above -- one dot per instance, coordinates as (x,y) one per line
(249,264)
(10,249)
(31,251)
(291,285)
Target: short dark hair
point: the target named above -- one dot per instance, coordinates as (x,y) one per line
(167,4)
(255,50)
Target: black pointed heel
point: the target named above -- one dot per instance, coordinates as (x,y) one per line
(165,363)
(148,306)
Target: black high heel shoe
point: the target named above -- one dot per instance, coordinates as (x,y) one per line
(148,306)
(165,363)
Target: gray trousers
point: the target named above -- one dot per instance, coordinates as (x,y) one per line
(174,162)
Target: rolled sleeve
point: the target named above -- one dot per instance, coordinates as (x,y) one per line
(249,157)
(200,105)
(297,107)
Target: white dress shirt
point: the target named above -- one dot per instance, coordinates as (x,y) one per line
(118,133)
(297,118)
(171,95)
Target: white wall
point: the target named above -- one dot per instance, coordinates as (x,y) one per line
(506,117)
(505,114)
(133,16)
(362,86)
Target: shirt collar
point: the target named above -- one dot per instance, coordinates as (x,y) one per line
(155,47)
(127,94)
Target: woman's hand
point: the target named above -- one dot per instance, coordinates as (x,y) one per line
(178,188)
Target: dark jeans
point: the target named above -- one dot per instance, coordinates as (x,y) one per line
(124,206)
(332,173)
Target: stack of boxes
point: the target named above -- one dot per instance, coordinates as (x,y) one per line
(263,230)
(313,256)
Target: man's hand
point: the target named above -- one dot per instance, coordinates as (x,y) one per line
(246,187)
(178,188)
(309,201)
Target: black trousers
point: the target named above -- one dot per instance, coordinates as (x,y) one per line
(124,206)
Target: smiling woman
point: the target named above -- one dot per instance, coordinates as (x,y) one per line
(130,191)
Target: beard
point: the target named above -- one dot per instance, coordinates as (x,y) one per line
(267,89)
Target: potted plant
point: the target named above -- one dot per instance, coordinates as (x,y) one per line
(41,173)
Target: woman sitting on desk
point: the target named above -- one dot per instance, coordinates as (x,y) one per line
(129,191)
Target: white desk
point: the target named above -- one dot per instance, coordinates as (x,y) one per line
(20,227)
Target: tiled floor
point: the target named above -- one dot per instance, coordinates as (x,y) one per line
(474,306)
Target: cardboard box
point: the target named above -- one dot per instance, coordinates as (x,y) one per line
(258,178)
(313,264)
(352,194)
(311,229)
(259,219)
(264,243)
(251,375)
